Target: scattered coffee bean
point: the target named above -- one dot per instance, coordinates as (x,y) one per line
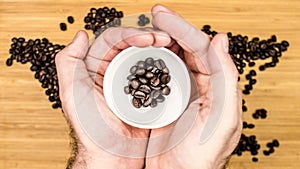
(70,19)
(9,62)
(275,143)
(63,26)
(254,159)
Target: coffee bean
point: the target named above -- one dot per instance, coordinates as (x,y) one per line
(254,159)
(131,77)
(135,84)
(285,43)
(166,90)
(149,68)
(141,64)
(157,64)
(266,153)
(9,62)
(55,105)
(144,88)
(271,150)
(51,99)
(157,72)
(133,69)
(153,103)
(149,75)
(165,70)
(140,72)
(160,99)
(132,92)
(154,81)
(255,115)
(63,26)
(143,80)
(70,19)
(155,93)
(155,87)
(275,143)
(127,90)
(147,102)
(140,95)
(136,102)
(252,73)
(162,63)
(141,23)
(165,79)
(149,61)
(270,145)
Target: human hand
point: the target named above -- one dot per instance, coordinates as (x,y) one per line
(106,142)
(214,73)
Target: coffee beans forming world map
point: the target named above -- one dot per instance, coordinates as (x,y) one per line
(245,52)
(147,82)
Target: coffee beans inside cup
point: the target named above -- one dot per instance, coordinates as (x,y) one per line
(147,82)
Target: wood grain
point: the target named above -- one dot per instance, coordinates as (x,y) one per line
(32,135)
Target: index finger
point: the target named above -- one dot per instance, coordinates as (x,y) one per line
(114,40)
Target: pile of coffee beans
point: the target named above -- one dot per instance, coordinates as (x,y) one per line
(147,82)
(245,53)
(143,20)
(40,53)
(98,20)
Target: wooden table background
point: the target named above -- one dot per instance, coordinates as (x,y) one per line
(33,135)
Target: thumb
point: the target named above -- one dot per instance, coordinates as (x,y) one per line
(71,67)
(225,112)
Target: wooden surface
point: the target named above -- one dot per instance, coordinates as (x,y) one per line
(33,135)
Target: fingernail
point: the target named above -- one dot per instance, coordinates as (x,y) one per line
(225,44)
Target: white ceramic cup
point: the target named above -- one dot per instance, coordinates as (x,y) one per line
(115,79)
